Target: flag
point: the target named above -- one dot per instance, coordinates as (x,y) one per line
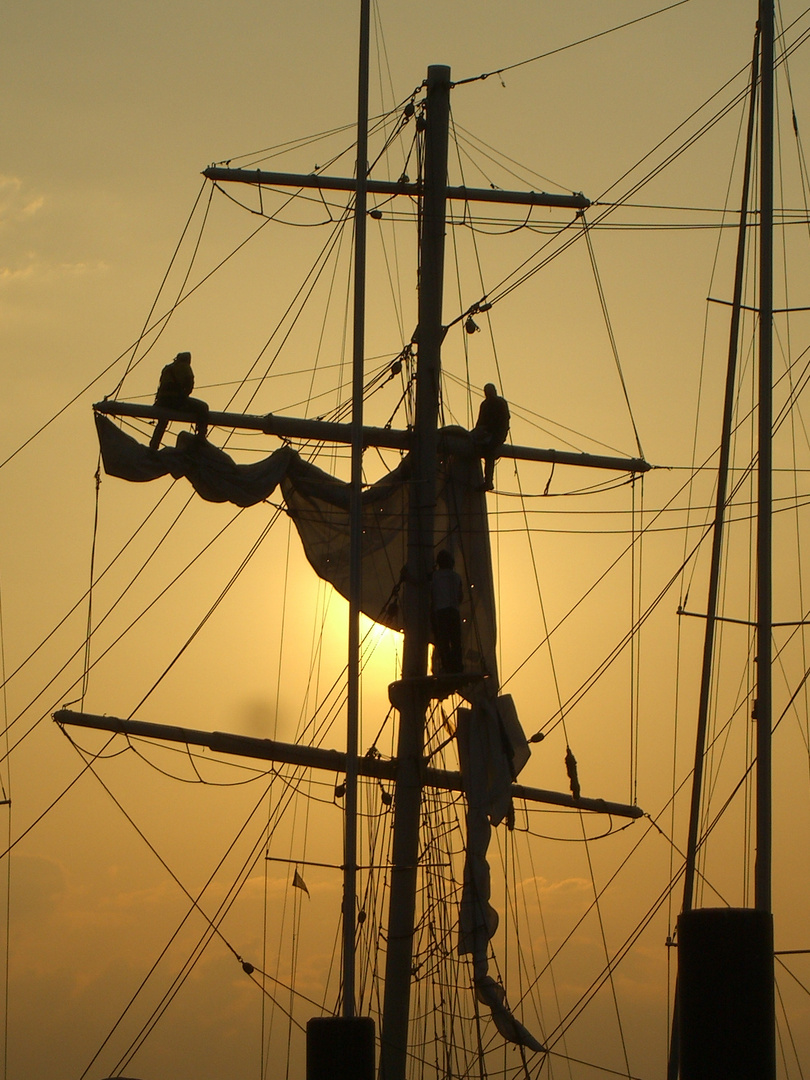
(299,883)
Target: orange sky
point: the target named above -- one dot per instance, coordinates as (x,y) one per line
(110,114)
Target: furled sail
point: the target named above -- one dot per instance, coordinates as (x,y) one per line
(319,505)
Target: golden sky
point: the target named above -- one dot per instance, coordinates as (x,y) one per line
(110,113)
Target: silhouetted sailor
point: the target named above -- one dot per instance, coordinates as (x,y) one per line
(490,431)
(174,392)
(445,601)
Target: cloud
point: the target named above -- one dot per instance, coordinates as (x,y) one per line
(7,274)
(15,203)
(27,265)
(38,270)
(31,208)
(564,888)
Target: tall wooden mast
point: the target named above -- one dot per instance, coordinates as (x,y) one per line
(356,535)
(408,791)
(762,874)
(724,1018)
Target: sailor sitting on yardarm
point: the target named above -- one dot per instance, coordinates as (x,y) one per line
(174,392)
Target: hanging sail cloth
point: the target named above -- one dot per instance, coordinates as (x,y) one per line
(492,750)
(213,474)
(319,505)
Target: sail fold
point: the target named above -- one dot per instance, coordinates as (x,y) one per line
(492,750)
(319,506)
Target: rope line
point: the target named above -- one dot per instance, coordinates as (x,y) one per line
(195,902)
(571,45)
(89,631)
(131,363)
(611,335)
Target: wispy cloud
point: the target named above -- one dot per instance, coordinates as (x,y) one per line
(16,204)
(37,270)
(7,274)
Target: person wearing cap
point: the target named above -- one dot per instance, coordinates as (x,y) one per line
(445,614)
(174,392)
(490,431)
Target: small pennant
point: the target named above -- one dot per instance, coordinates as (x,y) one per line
(299,883)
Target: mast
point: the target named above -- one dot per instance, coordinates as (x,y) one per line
(725,1014)
(408,788)
(720,505)
(718,529)
(356,532)
(762,873)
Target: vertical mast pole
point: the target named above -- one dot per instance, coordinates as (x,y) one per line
(720,504)
(764,702)
(410,762)
(762,872)
(356,531)
(673,1067)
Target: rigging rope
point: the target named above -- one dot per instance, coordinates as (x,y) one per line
(89,632)
(570,45)
(77,605)
(636,602)
(223,593)
(5,788)
(609,327)
(131,362)
(13,843)
(571,768)
(503,289)
(687,558)
(120,636)
(212,924)
(302,294)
